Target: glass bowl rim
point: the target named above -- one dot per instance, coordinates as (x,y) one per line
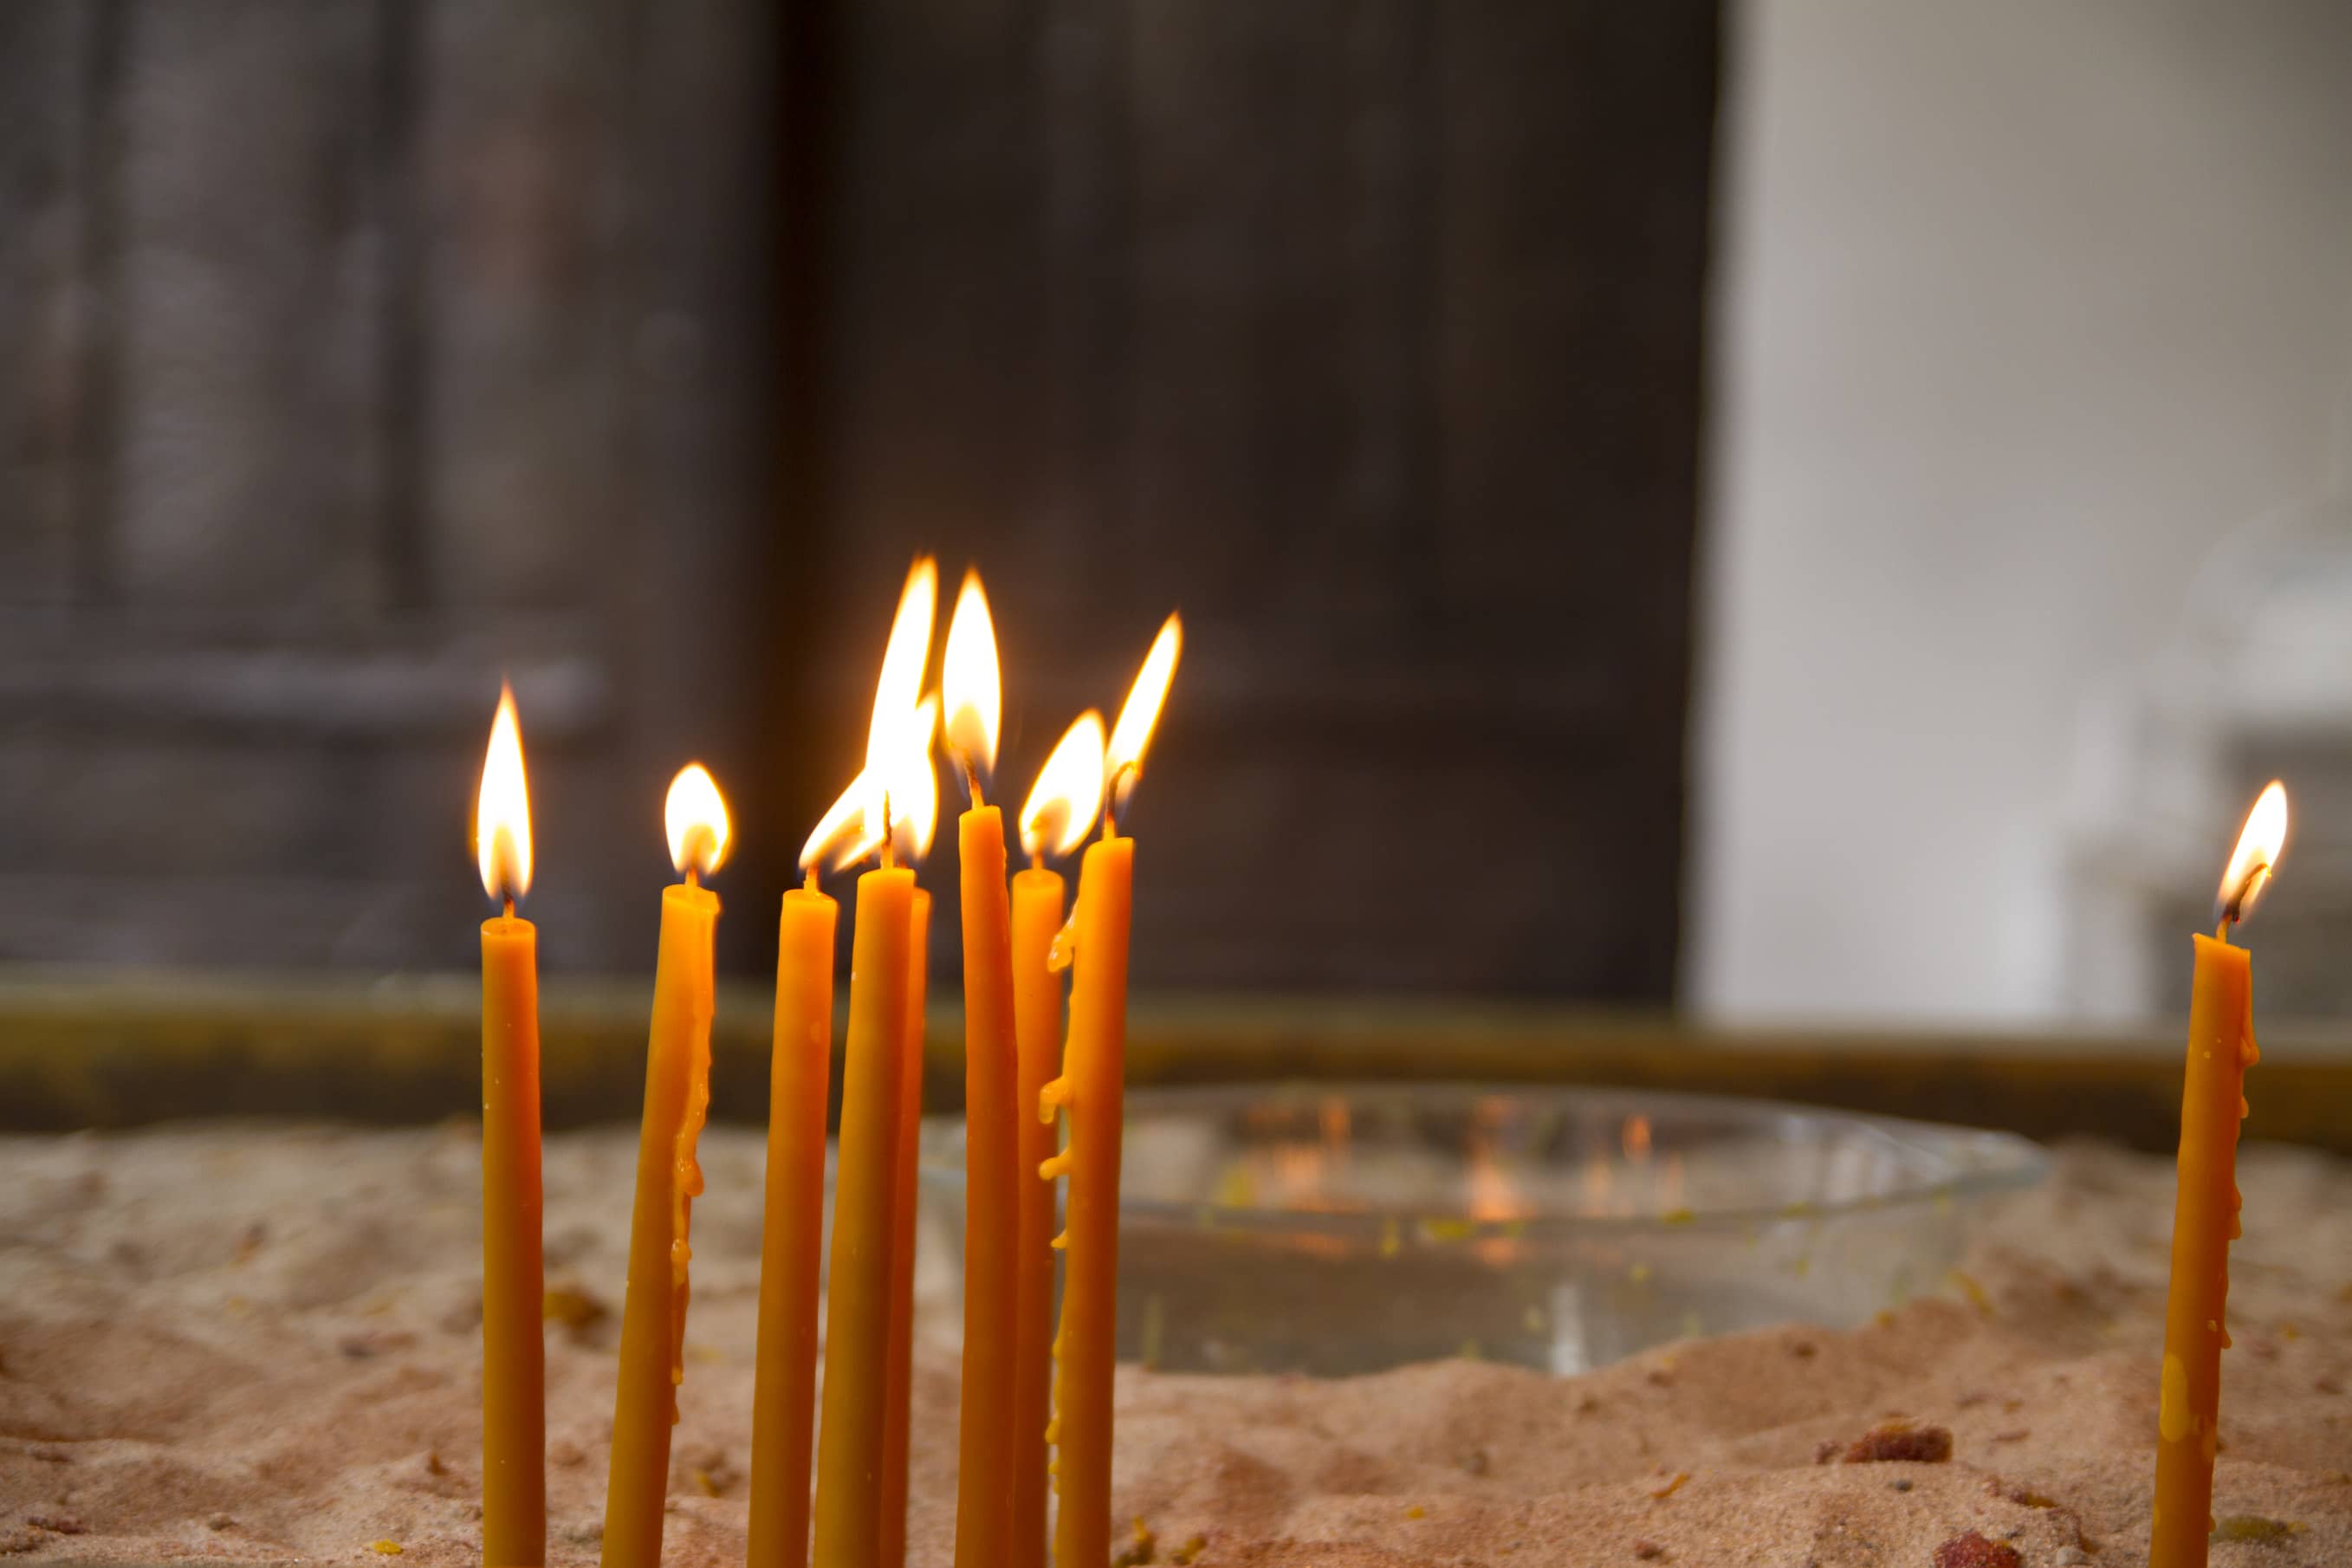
(1984,1162)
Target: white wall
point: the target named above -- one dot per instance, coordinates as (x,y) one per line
(2019,306)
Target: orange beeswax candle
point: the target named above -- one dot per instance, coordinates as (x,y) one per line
(514,1376)
(857,1304)
(678,1098)
(792,1233)
(514,1357)
(653,1314)
(1037,900)
(993,1186)
(2205,1217)
(899,1408)
(1093,1091)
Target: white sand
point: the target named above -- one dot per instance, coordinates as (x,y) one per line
(260,1345)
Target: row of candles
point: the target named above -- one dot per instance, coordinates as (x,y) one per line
(1021,1077)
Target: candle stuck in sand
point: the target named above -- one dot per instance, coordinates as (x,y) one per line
(677,1096)
(2205,1217)
(1092,1089)
(514,1353)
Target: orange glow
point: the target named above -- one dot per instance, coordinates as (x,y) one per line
(914,783)
(696,818)
(968,675)
(1068,792)
(502,808)
(1123,760)
(1636,1139)
(2252,863)
(904,662)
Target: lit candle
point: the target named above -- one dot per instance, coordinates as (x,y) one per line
(2205,1212)
(849,1460)
(514,1373)
(914,810)
(986,1436)
(1093,1088)
(898,1411)
(1054,821)
(792,1229)
(678,1096)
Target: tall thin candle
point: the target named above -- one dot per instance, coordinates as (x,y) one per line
(677,1096)
(986,1436)
(898,1412)
(1093,1088)
(783,1388)
(1054,821)
(2206,1209)
(514,1371)
(851,1434)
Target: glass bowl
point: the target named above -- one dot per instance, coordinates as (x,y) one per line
(1335,1228)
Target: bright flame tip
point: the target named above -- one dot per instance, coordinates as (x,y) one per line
(2255,859)
(502,808)
(1067,795)
(696,816)
(1123,760)
(970,679)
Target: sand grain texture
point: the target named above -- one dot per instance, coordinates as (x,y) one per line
(260,1345)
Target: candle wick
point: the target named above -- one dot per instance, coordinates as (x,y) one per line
(510,898)
(693,877)
(890,858)
(809,880)
(1119,777)
(971,777)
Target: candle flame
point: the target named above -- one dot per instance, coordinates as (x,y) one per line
(2257,854)
(841,838)
(915,784)
(848,834)
(904,661)
(1068,793)
(970,682)
(1123,763)
(502,808)
(697,819)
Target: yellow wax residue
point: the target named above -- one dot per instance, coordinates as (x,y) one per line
(386,1548)
(2172,1409)
(1065,945)
(1979,1297)
(686,1186)
(1057,1167)
(1053,1097)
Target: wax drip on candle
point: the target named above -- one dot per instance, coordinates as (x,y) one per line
(686,1186)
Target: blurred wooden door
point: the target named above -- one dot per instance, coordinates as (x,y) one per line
(1368,333)
(353,353)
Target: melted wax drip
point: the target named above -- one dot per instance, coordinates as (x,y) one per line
(686,1186)
(1065,945)
(1056,1094)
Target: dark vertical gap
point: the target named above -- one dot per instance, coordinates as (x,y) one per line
(404,569)
(801,496)
(1420,457)
(96,425)
(1708,88)
(1114,470)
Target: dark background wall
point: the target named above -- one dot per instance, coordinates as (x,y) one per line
(350,353)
